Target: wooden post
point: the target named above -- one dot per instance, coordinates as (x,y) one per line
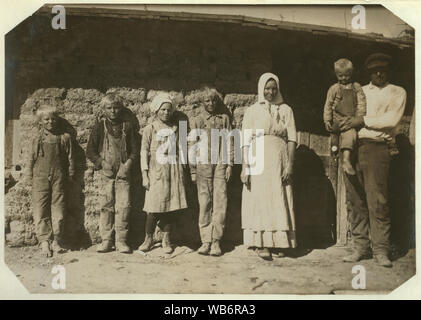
(341,209)
(333,162)
(8,144)
(17,150)
(320,144)
(304,138)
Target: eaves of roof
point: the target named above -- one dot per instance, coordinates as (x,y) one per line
(116,11)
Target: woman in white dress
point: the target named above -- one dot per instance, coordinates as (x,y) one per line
(267,203)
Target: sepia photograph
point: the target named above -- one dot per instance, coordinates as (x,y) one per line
(210,149)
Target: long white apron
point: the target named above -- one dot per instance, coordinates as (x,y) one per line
(267,208)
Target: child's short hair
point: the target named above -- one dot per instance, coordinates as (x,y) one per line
(111,98)
(46,109)
(343,65)
(213,93)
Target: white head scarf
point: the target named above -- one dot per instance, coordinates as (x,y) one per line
(159,100)
(264,78)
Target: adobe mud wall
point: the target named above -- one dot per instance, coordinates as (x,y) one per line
(74,68)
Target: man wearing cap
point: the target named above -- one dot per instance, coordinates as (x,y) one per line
(367,191)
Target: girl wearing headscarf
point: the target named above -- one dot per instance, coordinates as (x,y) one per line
(162,173)
(267,204)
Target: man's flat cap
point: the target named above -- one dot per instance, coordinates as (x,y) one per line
(377,60)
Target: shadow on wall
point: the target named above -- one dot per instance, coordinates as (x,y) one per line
(75,231)
(233,231)
(314,200)
(402,195)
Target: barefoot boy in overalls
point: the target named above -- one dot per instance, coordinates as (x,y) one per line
(113,148)
(344,98)
(51,165)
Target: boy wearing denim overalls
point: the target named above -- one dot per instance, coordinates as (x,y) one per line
(113,148)
(51,165)
(212,177)
(344,99)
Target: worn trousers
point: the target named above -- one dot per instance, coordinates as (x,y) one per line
(367,200)
(115,213)
(212,195)
(48,206)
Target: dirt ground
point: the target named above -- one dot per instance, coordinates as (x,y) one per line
(238,271)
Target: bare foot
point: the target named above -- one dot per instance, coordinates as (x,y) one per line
(348,168)
(46,250)
(278,253)
(264,253)
(57,248)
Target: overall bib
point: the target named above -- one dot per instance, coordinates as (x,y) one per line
(345,105)
(116,193)
(49,177)
(212,188)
